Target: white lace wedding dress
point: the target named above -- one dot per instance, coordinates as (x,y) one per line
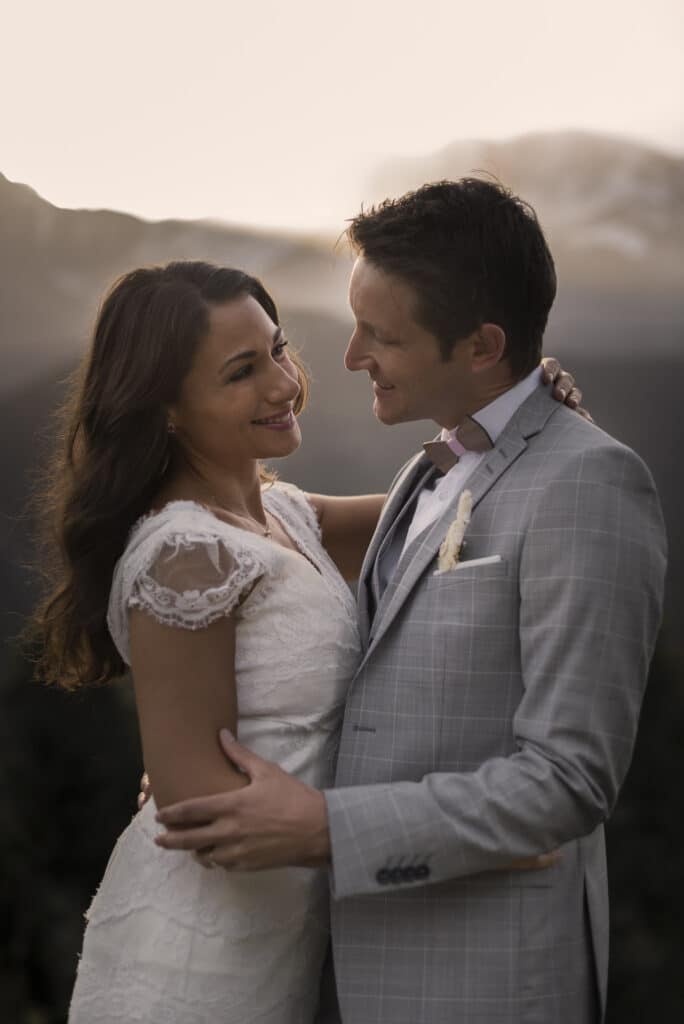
(168,941)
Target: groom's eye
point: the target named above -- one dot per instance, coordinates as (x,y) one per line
(383,338)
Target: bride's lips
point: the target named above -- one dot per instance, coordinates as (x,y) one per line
(382,389)
(281,421)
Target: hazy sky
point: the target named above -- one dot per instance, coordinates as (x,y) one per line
(276,111)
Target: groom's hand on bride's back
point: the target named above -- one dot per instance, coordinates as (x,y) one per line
(544,860)
(145,790)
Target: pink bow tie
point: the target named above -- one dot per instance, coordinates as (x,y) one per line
(468,436)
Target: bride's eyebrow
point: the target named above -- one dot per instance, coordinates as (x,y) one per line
(250,353)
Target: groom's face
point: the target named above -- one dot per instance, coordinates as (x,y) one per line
(410,378)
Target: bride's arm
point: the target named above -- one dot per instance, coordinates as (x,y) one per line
(347,525)
(185,692)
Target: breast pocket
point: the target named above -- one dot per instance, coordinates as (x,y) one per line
(481,570)
(473,614)
(471,599)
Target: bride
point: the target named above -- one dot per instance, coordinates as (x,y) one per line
(223,590)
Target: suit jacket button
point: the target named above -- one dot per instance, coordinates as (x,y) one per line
(383,877)
(422,871)
(395,875)
(409,874)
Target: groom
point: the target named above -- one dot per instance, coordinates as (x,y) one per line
(494,712)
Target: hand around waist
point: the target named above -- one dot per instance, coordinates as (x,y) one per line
(274,821)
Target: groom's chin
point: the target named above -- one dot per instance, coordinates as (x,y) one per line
(387,416)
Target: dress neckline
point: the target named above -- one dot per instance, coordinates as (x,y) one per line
(299,549)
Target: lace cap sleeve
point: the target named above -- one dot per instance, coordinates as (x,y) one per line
(186,577)
(190,584)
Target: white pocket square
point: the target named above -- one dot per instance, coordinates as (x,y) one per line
(489,560)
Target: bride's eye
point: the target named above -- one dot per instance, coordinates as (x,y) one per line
(279,349)
(242,373)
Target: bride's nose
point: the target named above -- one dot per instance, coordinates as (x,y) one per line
(284,384)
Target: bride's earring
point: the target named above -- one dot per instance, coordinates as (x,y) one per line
(170,430)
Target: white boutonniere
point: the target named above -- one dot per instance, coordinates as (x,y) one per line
(450,550)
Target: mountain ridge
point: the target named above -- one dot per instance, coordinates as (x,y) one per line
(613,210)
(598,197)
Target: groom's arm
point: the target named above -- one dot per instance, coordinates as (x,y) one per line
(591,584)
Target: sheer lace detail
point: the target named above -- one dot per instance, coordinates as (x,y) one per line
(185,568)
(192,583)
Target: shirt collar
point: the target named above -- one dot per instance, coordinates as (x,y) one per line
(495,416)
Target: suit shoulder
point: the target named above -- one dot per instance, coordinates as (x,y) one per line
(578,473)
(570,440)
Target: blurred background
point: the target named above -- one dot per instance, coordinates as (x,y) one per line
(139,133)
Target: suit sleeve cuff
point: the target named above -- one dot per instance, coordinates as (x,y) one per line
(364,858)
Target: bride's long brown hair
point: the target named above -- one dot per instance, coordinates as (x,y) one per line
(115,452)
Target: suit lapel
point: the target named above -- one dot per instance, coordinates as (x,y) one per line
(528,420)
(415,470)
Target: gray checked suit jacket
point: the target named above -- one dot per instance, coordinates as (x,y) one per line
(493,717)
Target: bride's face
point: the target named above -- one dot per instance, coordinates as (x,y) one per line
(236,402)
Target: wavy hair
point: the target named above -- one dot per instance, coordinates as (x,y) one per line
(114,453)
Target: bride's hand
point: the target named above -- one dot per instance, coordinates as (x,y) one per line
(564,389)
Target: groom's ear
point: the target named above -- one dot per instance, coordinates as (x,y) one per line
(488,347)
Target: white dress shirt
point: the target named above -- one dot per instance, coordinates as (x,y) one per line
(432,501)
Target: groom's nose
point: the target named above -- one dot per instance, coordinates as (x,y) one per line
(357,356)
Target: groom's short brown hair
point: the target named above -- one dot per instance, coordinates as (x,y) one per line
(474,253)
